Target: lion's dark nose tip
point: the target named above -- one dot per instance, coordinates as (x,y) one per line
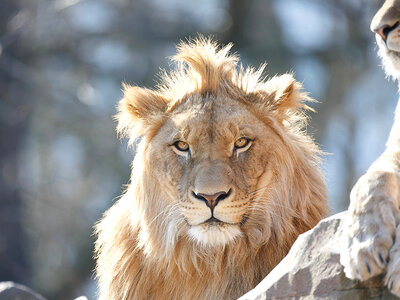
(212,200)
(384,30)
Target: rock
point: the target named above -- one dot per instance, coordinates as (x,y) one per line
(311,270)
(13,291)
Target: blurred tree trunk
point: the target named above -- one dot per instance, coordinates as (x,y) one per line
(13,123)
(256,33)
(238,11)
(345,74)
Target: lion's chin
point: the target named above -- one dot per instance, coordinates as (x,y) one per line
(214,235)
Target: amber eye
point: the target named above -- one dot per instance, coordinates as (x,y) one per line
(181,146)
(242,142)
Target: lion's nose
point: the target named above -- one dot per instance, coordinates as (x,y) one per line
(384,30)
(212,200)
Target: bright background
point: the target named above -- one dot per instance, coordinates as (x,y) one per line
(61,67)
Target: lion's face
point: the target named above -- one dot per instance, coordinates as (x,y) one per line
(223,157)
(223,181)
(386,25)
(213,156)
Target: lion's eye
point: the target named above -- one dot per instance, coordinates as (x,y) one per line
(181,146)
(242,142)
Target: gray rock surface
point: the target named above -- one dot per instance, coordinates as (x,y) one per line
(13,291)
(311,270)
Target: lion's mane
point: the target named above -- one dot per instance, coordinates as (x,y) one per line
(142,250)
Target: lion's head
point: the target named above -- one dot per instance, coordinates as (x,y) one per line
(386,25)
(224,178)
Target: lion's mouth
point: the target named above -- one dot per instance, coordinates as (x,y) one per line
(213,221)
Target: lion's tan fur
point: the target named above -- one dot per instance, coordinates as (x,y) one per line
(371,241)
(143,248)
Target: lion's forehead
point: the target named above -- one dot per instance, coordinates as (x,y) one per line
(221,119)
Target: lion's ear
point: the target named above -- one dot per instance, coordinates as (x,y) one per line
(281,94)
(138,110)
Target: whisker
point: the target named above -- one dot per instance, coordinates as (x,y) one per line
(259,206)
(168,210)
(259,190)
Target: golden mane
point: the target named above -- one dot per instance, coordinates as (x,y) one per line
(204,67)
(144,249)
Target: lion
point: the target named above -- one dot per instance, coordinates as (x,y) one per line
(224,180)
(371,243)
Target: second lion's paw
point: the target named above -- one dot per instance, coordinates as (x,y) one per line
(369,228)
(392,278)
(364,251)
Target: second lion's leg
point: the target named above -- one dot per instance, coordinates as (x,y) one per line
(370,226)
